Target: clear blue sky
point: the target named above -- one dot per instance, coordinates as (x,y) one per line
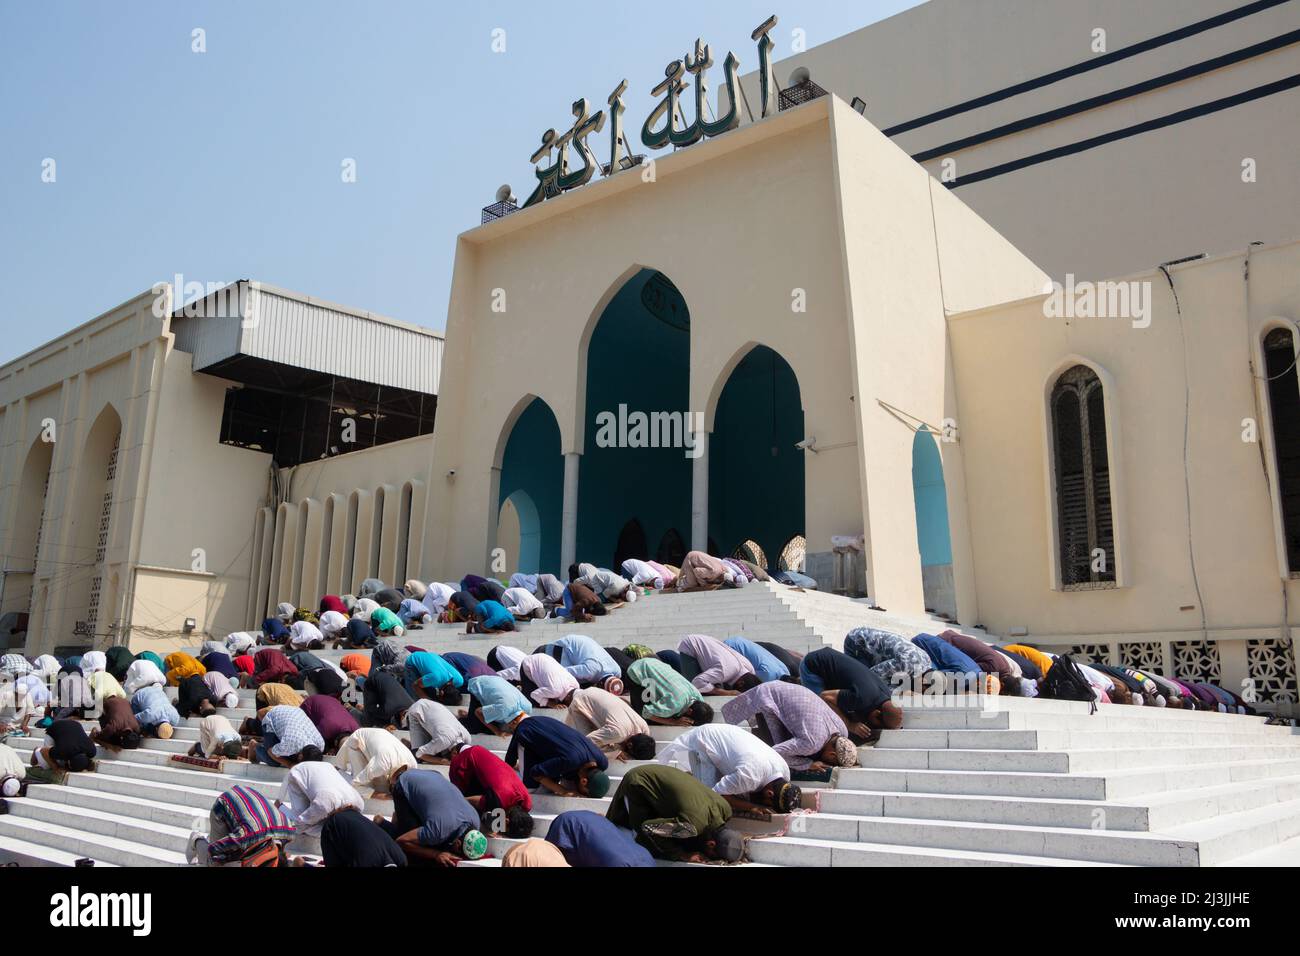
(226,164)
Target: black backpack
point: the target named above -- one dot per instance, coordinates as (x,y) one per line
(1066,682)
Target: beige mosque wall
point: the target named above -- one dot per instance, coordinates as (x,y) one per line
(764,188)
(344,519)
(911,253)
(1216,507)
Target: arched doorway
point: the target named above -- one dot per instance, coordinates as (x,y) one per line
(532,484)
(932,538)
(637,398)
(84,593)
(631,544)
(756,474)
(29,518)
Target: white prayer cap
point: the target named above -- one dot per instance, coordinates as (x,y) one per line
(10,787)
(632,594)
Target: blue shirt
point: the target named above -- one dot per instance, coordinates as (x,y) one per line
(766,664)
(945,656)
(468,665)
(494,615)
(551,749)
(151,707)
(501,701)
(431,670)
(428,800)
(575,649)
(588,839)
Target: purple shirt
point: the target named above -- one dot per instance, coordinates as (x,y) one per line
(329,715)
(799,721)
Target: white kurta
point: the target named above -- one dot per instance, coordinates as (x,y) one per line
(553,681)
(312,791)
(371,754)
(727,758)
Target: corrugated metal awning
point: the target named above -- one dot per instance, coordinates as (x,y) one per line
(252,320)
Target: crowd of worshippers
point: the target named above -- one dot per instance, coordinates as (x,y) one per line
(489,606)
(337,729)
(954,661)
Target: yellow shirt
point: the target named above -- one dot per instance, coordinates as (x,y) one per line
(274,695)
(181,665)
(1034,654)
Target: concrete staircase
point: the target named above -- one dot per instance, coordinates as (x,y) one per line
(965,781)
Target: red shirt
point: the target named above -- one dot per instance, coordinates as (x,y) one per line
(478,770)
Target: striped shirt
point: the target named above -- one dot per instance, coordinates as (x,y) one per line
(249,819)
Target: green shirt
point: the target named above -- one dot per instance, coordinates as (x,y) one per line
(382,619)
(668,809)
(664,692)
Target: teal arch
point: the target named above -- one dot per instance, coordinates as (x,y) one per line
(638,359)
(532,475)
(530,532)
(756,474)
(931,501)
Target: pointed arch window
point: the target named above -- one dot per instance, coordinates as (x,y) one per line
(1084,523)
(1284,409)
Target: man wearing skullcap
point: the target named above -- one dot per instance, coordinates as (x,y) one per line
(589,663)
(534,852)
(587,839)
(558,758)
(801,726)
(155,712)
(494,790)
(749,774)
(432,821)
(240,642)
(674,816)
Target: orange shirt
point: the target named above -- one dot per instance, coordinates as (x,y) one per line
(355,662)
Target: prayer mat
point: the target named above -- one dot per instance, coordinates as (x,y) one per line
(206,764)
(41,775)
(812,776)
